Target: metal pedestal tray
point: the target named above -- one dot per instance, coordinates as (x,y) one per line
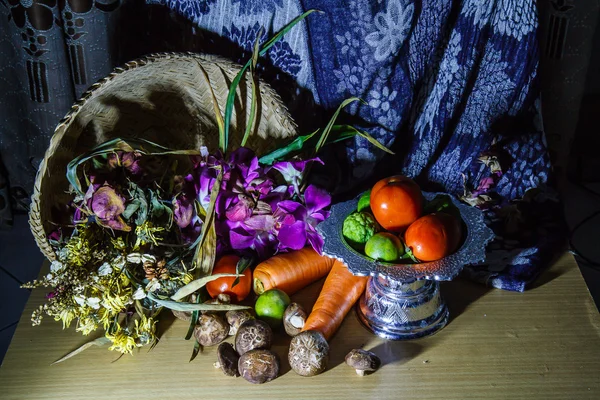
(403,301)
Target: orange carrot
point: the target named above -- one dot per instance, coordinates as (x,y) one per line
(291,271)
(339,293)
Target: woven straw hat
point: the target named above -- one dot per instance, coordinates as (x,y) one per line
(164,98)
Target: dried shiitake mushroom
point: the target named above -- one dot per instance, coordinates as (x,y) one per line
(211,330)
(182,315)
(309,353)
(227,359)
(294,318)
(253,334)
(235,318)
(259,366)
(363,361)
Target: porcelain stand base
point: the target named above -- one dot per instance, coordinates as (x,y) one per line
(402,311)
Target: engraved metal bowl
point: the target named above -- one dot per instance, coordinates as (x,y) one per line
(472,250)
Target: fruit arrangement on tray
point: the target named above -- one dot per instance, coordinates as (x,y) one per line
(393,223)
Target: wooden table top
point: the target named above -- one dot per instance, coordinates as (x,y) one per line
(542,344)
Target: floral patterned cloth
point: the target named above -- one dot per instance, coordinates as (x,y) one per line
(445,83)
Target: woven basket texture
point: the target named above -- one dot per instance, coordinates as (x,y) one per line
(164,98)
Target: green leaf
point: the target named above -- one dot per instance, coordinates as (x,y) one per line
(131,208)
(204,256)
(197,284)
(200,298)
(327,129)
(240,267)
(142,146)
(295,145)
(101,341)
(179,306)
(408,255)
(217,110)
(365,135)
(197,349)
(238,77)
(254,82)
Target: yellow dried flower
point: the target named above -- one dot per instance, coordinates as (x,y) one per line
(145,329)
(121,341)
(87,324)
(147,233)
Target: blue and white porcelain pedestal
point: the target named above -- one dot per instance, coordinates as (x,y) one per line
(402,311)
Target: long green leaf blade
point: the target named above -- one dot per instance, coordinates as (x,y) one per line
(295,145)
(327,129)
(197,284)
(370,139)
(217,110)
(254,82)
(101,341)
(178,306)
(238,77)
(197,349)
(208,226)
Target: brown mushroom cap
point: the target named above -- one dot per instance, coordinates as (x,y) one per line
(309,353)
(259,366)
(235,318)
(182,315)
(253,334)
(211,330)
(294,318)
(363,361)
(227,359)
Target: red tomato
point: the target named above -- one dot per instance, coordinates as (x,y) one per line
(433,236)
(226,265)
(396,202)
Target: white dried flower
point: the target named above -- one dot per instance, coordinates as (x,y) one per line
(56,266)
(105,269)
(139,294)
(93,302)
(119,262)
(148,258)
(134,258)
(153,285)
(79,300)
(204,151)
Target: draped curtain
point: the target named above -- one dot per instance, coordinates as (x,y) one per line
(447,83)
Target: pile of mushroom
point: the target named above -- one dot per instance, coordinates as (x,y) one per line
(251,357)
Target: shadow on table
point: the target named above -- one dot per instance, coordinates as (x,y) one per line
(390,352)
(460,294)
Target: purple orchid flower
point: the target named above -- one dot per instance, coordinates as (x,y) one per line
(293,171)
(256,233)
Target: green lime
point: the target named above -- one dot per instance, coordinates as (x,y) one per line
(384,246)
(364,202)
(271,305)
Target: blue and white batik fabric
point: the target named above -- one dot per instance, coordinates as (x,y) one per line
(450,85)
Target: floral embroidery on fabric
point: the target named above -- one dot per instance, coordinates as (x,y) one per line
(507,17)
(258,6)
(191,7)
(281,54)
(392,28)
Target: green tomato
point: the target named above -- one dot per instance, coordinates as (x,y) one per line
(358,228)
